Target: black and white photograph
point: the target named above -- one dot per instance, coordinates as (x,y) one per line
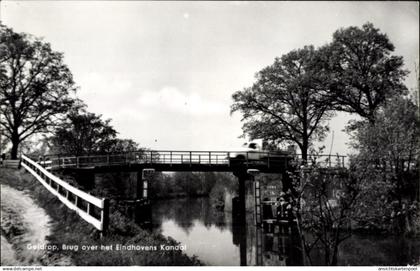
(209,133)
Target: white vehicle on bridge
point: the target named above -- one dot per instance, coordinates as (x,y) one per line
(253,152)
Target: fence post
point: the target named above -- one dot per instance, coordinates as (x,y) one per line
(105,216)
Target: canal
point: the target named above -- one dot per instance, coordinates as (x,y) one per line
(212,236)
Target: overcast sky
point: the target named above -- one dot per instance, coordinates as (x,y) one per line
(164,72)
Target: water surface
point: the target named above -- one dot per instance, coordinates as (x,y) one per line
(211,235)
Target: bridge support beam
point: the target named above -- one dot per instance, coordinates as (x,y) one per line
(239,213)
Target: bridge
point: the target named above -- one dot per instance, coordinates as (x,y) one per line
(216,161)
(244,165)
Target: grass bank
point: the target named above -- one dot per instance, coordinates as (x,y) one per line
(70,230)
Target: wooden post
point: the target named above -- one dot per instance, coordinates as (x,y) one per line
(210,158)
(105,216)
(190,159)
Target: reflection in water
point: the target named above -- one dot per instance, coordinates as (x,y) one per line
(206,233)
(213,245)
(214,237)
(210,235)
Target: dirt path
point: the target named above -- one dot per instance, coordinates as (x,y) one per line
(8,254)
(23,223)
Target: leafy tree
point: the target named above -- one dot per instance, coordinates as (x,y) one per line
(35,86)
(387,157)
(363,73)
(84,133)
(287,102)
(124,145)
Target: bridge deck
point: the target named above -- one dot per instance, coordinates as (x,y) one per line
(184,161)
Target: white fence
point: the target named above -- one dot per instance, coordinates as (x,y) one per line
(94,210)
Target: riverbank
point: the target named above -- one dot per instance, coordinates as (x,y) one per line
(72,237)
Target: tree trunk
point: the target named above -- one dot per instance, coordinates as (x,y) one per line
(304,149)
(334,260)
(15,147)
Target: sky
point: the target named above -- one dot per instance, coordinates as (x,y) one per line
(164,72)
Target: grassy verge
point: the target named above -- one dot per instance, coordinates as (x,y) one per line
(70,230)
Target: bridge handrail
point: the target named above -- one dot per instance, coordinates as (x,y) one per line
(102,204)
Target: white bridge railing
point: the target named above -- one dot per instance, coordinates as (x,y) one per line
(94,210)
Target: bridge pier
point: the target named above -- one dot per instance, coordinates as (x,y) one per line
(143,212)
(85,178)
(239,203)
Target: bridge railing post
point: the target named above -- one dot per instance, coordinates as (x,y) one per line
(210,158)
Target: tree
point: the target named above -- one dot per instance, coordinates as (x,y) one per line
(387,158)
(323,218)
(35,86)
(287,102)
(362,73)
(124,145)
(84,133)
